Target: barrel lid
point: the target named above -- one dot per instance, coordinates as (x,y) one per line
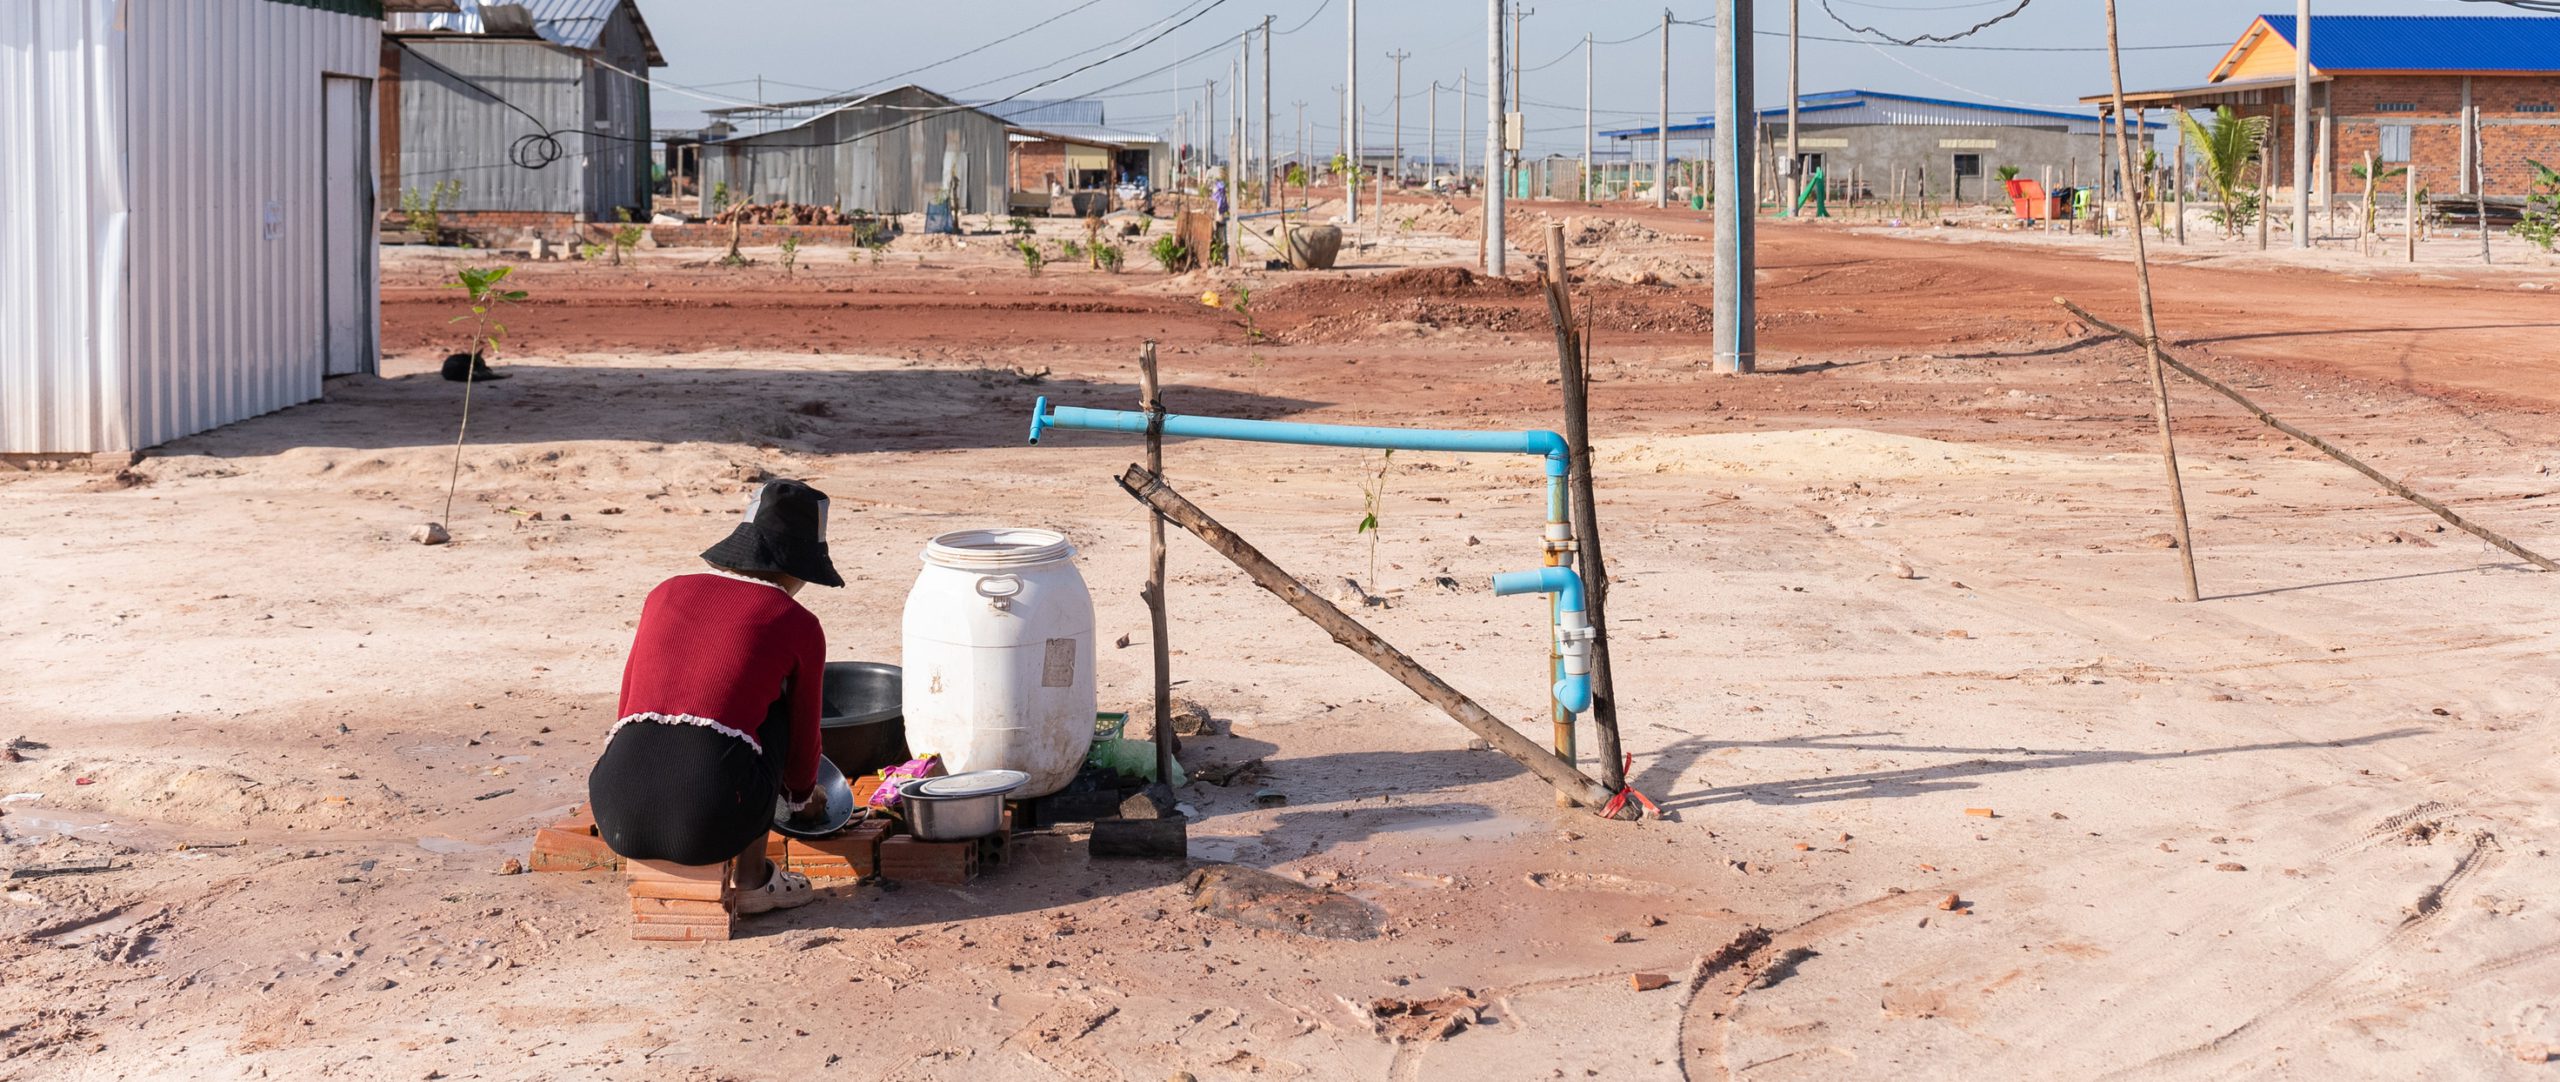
(997,549)
(971,783)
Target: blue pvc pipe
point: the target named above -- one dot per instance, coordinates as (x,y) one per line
(1572,688)
(1529,442)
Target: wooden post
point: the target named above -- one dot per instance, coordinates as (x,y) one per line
(2151,325)
(2410,208)
(1151,402)
(2328,174)
(1574,377)
(2323,446)
(2365,215)
(1151,490)
(2179,168)
(2265,151)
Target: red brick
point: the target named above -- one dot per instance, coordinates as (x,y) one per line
(904,857)
(580,820)
(557,850)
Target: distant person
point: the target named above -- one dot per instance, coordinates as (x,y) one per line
(720,703)
(1218,196)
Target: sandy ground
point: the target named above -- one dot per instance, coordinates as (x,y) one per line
(2301,829)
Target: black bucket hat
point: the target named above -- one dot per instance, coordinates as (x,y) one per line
(785,530)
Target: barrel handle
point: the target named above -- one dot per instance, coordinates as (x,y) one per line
(999,600)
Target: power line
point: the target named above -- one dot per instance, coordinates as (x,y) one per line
(1970,31)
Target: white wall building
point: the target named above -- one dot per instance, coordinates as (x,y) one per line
(186,213)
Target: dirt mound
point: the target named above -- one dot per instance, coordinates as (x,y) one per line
(1582,231)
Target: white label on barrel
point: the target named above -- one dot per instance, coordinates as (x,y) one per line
(1058,667)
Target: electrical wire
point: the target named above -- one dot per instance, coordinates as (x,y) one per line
(2550,6)
(1970,31)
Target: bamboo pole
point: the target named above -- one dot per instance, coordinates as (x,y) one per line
(1574,377)
(2151,325)
(1151,402)
(2323,446)
(1149,489)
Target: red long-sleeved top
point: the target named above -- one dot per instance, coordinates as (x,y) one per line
(719,650)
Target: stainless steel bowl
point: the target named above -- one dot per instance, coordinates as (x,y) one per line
(961,806)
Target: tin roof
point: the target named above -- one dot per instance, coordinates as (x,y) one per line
(1880,107)
(2507,44)
(574,24)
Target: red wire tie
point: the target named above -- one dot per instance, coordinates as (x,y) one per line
(1619,802)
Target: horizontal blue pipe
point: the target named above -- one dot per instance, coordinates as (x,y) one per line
(1560,581)
(1528,442)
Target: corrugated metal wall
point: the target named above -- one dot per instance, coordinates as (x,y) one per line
(61,256)
(168,278)
(832,160)
(618,162)
(450,132)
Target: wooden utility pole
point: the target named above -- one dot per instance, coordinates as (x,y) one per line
(1662,122)
(2151,323)
(1463,91)
(1149,489)
(1152,404)
(1398,56)
(1351,117)
(1737,191)
(1431,118)
(1493,125)
(2301,126)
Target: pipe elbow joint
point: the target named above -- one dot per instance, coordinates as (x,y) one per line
(1561,581)
(1574,694)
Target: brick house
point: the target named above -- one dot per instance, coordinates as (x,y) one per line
(2407,88)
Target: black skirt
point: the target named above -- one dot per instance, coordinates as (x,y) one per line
(689,794)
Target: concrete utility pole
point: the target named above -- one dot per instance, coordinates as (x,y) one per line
(1302,137)
(1493,124)
(1235,154)
(1431,157)
(1787,200)
(1351,118)
(2302,124)
(1244,122)
(1586,117)
(1208,149)
(1737,201)
(1662,129)
(1398,55)
(1269,171)
(1463,90)
(1517,106)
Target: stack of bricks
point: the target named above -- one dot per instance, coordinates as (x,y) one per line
(572,845)
(682,903)
(908,858)
(853,853)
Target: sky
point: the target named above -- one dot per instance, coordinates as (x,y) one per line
(2049,55)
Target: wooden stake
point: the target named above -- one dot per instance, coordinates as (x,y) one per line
(2151,327)
(2323,446)
(1151,402)
(2411,209)
(1149,489)
(1574,376)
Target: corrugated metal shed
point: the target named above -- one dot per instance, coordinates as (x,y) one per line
(175,274)
(454,87)
(884,153)
(1049,114)
(2483,44)
(1875,107)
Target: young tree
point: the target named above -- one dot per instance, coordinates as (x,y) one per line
(2225,150)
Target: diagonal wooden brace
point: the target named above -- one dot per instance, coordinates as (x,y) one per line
(1151,490)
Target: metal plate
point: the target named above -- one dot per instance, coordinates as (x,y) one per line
(969,783)
(834,790)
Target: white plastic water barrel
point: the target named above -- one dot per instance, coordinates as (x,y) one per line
(999,656)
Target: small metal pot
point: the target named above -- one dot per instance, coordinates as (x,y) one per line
(960,806)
